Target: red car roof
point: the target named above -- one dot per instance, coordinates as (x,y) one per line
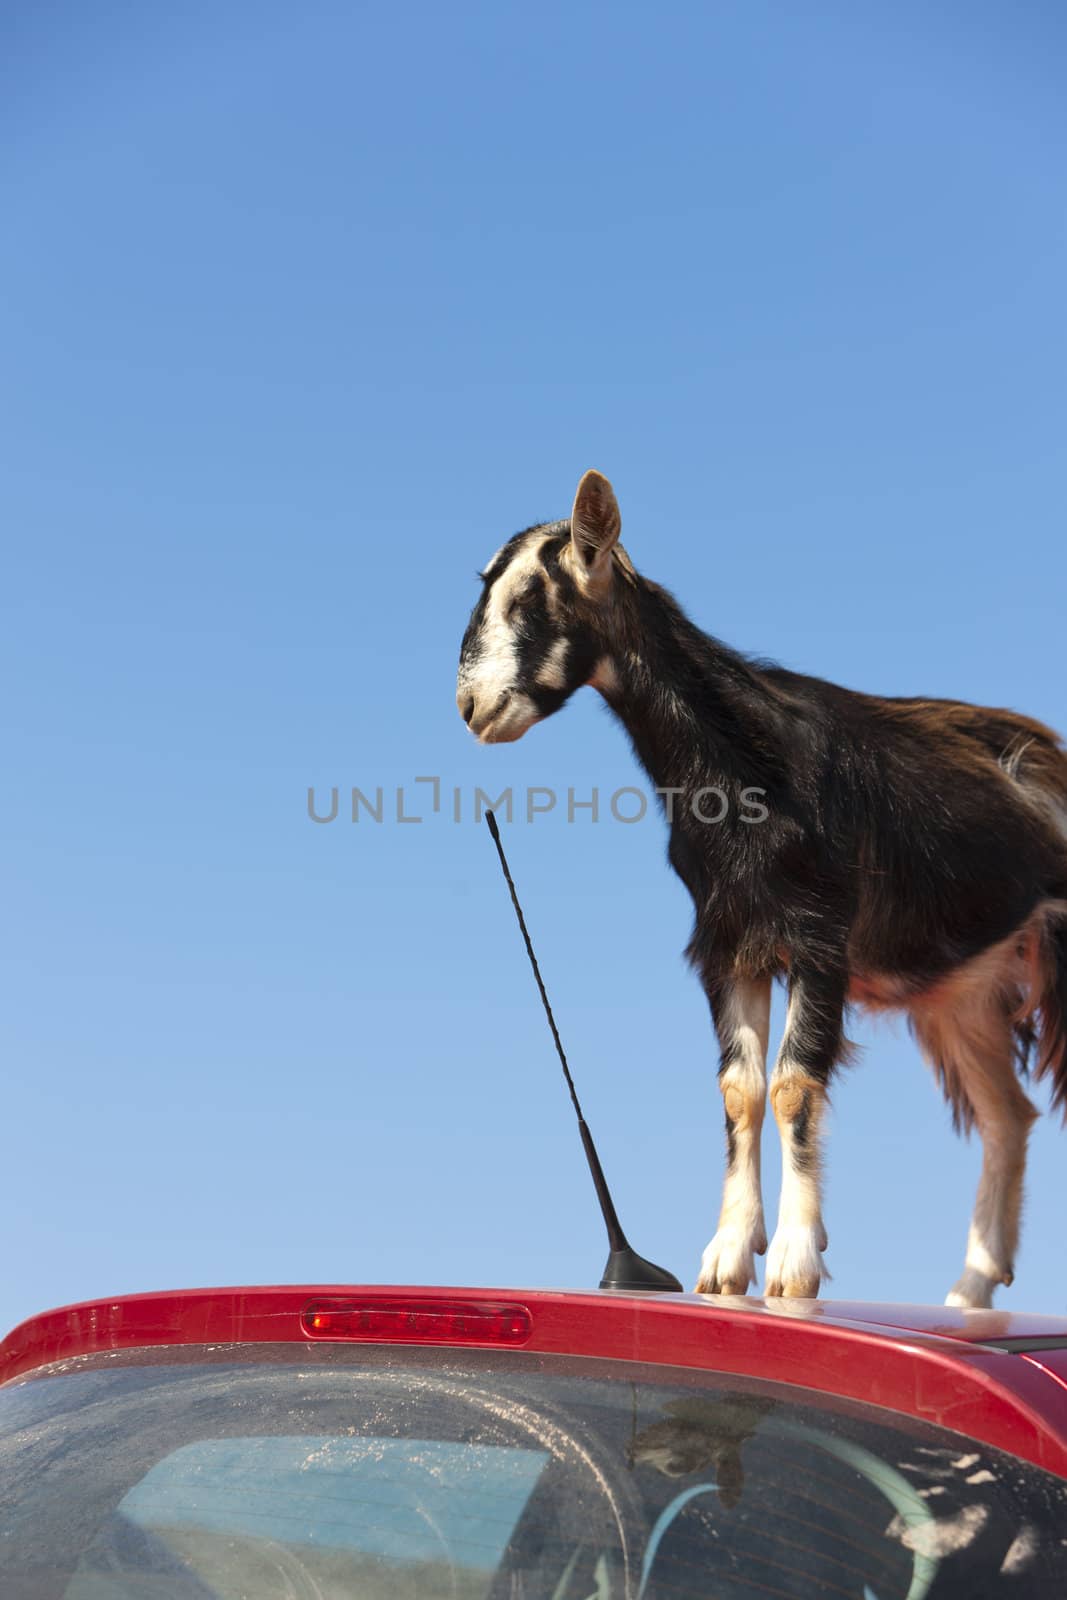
(996,1376)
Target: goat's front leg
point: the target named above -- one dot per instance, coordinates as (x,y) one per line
(812,1046)
(741,1011)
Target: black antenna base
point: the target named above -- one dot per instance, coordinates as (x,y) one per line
(627,1270)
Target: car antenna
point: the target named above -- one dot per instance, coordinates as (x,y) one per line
(625,1268)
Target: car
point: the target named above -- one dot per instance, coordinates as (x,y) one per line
(326,1442)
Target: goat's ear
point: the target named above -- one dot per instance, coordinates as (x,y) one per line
(595,526)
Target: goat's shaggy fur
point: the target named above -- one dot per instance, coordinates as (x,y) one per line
(904,854)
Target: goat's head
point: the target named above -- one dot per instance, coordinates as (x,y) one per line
(538,631)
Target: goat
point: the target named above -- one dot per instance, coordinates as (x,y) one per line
(903,854)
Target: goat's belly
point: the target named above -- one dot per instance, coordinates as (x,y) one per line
(879,991)
(1015,967)
(1002,964)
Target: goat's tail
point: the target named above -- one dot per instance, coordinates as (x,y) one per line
(1050,1035)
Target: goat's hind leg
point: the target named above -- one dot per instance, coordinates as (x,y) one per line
(968,1040)
(741,1010)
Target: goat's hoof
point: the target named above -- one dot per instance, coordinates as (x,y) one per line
(793,1288)
(721,1286)
(973,1291)
(794,1265)
(728,1266)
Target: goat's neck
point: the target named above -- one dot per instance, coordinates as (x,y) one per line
(695,710)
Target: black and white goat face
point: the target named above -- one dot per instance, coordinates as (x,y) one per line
(535,636)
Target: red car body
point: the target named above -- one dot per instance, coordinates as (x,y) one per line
(997,1377)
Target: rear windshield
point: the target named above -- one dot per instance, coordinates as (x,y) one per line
(340,1472)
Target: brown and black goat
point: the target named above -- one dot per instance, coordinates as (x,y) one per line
(901,854)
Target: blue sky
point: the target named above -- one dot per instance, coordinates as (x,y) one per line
(304,311)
